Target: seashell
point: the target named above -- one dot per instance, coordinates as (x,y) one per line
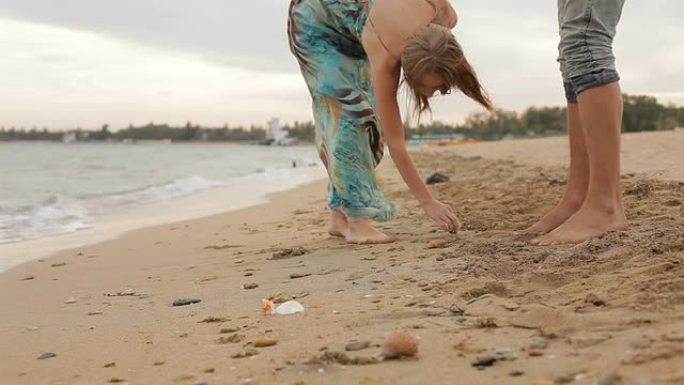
(289,307)
(400,343)
(267,306)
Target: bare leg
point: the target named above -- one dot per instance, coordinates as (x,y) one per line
(338,226)
(362,231)
(600,111)
(578,178)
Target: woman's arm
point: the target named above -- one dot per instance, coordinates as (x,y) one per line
(385,72)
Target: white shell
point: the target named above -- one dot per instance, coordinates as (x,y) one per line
(289,307)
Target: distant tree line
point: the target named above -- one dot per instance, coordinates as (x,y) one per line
(641,113)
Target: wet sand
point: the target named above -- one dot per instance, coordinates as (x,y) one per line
(608,311)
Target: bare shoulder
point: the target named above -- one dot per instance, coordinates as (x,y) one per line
(377,53)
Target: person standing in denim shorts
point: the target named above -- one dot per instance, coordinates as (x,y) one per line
(592,204)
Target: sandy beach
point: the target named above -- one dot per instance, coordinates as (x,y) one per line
(488,307)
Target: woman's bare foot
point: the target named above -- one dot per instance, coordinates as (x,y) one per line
(363,232)
(338,226)
(589,222)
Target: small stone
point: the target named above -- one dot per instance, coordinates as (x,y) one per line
(250,286)
(356,346)
(539,343)
(91,313)
(437,244)
(439,259)
(437,178)
(248,274)
(30,277)
(265,342)
(594,300)
(116,380)
(58,264)
(209,370)
(159,363)
(246,353)
(456,310)
(230,330)
(515,372)
(213,320)
(186,301)
(70,301)
(110,365)
(484,362)
(299,275)
(535,353)
(45,356)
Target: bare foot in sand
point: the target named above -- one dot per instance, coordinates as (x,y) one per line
(363,232)
(590,221)
(338,226)
(554,218)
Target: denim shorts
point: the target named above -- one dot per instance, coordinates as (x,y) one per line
(587,29)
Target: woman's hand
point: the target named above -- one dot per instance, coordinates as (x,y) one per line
(442,214)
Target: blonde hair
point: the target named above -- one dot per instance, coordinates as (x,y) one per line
(433,49)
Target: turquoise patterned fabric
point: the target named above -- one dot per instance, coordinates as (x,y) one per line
(325,37)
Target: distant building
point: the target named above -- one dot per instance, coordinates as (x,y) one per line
(276,135)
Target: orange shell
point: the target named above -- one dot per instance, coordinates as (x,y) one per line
(267,306)
(400,343)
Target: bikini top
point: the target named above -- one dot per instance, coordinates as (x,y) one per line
(382,42)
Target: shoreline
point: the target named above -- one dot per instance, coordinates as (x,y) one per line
(114,225)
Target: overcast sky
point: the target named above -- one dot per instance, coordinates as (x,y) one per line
(83,63)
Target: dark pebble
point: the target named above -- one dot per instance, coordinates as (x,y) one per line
(356,346)
(484,362)
(456,310)
(45,356)
(186,301)
(437,178)
(250,286)
(299,275)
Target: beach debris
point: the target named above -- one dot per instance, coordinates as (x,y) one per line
(186,301)
(342,359)
(209,370)
(91,313)
(299,275)
(250,286)
(535,353)
(60,264)
(286,308)
(247,274)
(437,178)
(232,339)
(484,362)
(594,300)
(213,320)
(116,380)
(30,277)
(245,353)
(230,330)
(70,301)
(45,356)
(569,377)
(183,378)
(265,342)
(539,343)
(437,244)
(356,346)
(125,293)
(515,372)
(109,365)
(159,363)
(267,306)
(289,253)
(400,343)
(456,310)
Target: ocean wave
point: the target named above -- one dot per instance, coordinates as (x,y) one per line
(54,215)
(175,188)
